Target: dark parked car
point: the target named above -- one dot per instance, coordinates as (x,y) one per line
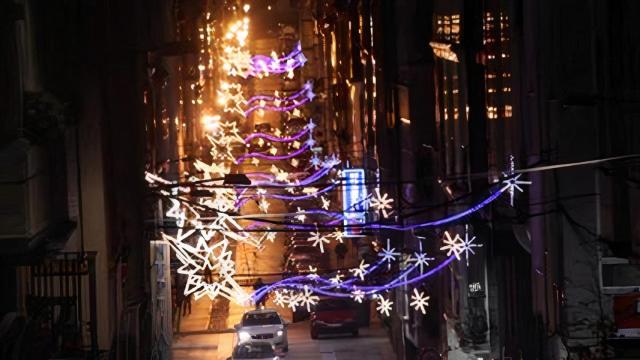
(334,316)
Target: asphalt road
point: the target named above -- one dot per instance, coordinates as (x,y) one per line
(372,344)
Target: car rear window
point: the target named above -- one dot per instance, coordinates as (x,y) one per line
(269,318)
(334,304)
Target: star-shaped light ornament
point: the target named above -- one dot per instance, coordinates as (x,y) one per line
(512,184)
(384,305)
(389,254)
(419,301)
(360,271)
(467,244)
(453,246)
(318,240)
(271,235)
(214,256)
(381,203)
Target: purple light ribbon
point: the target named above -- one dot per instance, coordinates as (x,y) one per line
(277,139)
(276,108)
(272,157)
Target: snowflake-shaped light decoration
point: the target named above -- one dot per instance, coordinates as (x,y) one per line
(421,259)
(512,184)
(406,262)
(338,235)
(358,296)
(389,254)
(381,203)
(467,244)
(419,301)
(293,301)
(384,305)
(310,190)
(360,271)
(301,215)
(315,161)
(307,298)
(271,236)
(280,298)
(313,273)
(337,279)
(263,204)
(453,246)
(318,240)
(326,203)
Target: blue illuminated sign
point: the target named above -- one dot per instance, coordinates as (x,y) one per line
(354,195)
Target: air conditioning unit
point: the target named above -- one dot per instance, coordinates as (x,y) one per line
(619,276)
(24,190)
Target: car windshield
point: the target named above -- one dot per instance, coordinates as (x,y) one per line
(255,319)
(253,351)
(332,305)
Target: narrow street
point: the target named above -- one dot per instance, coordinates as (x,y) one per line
(319,179)
(195,343)
(372,344)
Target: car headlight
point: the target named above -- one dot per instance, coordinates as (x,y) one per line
(244,336)
(279,333)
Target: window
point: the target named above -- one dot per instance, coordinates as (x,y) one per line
(497,44)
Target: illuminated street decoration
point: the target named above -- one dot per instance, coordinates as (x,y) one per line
(267,65)
(360,271)
(381,203)
(389,254)
(282,104)
(513,184)
(419,301)
(197,260)
(318,240)
(207,223)
(242,158)
(308,128)
(452,245)
(467,244)
(358,296)
(239,62)
(307,298)
(421,259)
(384,305)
